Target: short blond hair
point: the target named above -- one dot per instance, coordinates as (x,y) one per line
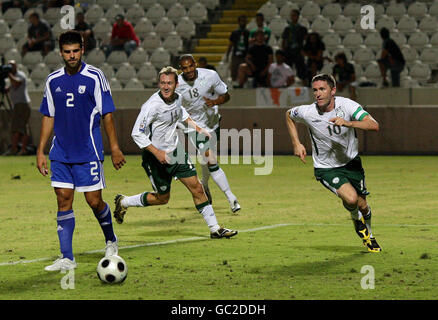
(168,70)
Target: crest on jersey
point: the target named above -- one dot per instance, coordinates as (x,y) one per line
(339,112)
(81,89)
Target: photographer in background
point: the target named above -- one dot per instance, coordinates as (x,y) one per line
(20,111)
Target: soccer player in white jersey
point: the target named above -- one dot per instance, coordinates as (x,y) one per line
(202,90)
(332,121)
(75,100)
(155,132)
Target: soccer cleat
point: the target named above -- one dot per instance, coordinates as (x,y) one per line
(376,247)
(235,206)
(363,233)
(62,264)
(112,248)
(223,233)
(208,194)
(119,211)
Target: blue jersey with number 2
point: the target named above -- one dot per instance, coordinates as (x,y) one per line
(77,102)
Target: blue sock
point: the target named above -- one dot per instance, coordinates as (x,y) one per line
(66,226)
(106,223)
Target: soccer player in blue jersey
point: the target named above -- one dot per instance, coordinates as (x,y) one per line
(75,100)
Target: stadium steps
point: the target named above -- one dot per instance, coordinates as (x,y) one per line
(215,45)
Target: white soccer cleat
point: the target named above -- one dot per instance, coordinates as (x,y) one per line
(62,264)
(112,248)
(235,206)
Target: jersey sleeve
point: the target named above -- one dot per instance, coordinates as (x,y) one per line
(141,131)
(184,115)
(356,111)
(47,106)
(296,113)
(104,99)
(219,86)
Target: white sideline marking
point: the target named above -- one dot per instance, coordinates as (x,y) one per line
(160,243)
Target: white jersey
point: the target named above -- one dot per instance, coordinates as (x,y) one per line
(207,84)
(157,122)
(332,145)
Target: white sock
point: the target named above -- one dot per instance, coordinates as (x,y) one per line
(210,218)
(132,201)
(220,178)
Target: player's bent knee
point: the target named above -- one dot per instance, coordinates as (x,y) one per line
(163,198)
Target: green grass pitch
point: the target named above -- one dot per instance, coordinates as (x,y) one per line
(296,241)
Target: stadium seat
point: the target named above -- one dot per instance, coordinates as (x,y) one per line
(160,57)
(107,70)
(273,42)
(52,16)
(39,73)
(125,72)
(126,4)
(379,10)
(363,55)
(11,15)
(173,43)
(429,56)
(19,29)
(373,40)
(147,74)
(322,3)
(408,82)
(138,57)
(352,40)
(134,14)
(117,58)
(188,3)
(277,25)
(30,85)
(285,10)
(210,4)
(321,25)
(143,27)
(358,71)
(407,24)
(95,57)
(94,14)
(417,10)
(331,40)
(342,25)
(396,10)
(428,24)
(38,10)
(164,27)
(176,12)
(186,28)
(310,10)
(409,53)
(300,3)
(53,60)
(146,3)
(102,29)
(4,28)
(57,30)
(398,37)
(151,41)
(105,4)
(372,72)
(13,54)
(327,68)
(352,11)
(167,4)
(331,11)
(6,42)
(115,84)
(135,84)
(279,3)
(385,21)
(434,40)
(269,10)
(418,40)
(112,12)
(433,9)
(198,13)
(420,71)
(340,48)
(155,13)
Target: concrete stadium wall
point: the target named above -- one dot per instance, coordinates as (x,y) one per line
(407,120)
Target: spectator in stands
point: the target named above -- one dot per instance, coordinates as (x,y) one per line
(39,36)
(20,132)
(123,37)
(345,76)
(391,58)
(202,63)
(293,38)
(280,75)
(239,46)
(260,21)
(86,32)
(257,62)
(313,50)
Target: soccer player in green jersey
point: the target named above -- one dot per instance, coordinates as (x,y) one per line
(332,121)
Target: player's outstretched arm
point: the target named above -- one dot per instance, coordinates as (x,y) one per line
(47,124)
(192,124)
(299,149)
(117,156)
(367,123)
(220,100)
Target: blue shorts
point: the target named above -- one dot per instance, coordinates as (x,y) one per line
(83,177)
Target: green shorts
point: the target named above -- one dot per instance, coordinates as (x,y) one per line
(352,173)
(202,142)
(161,175)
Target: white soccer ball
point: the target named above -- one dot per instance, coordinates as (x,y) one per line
(112,269)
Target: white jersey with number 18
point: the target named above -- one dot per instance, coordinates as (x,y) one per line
(332,145)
